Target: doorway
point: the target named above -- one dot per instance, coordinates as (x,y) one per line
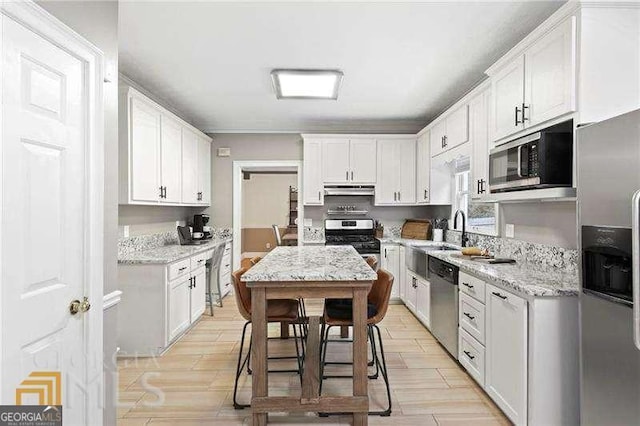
(265,193)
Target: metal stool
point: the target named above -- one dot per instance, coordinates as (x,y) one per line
(213,281)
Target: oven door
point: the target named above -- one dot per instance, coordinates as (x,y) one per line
(514,165)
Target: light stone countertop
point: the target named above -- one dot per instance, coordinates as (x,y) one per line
(528,279)
(321,263)
(411,242)
(167,254)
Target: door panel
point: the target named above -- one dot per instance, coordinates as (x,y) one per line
(387,182)
(179,299)
(171,159)
(44,215)
(204,170)
(145,151)
(198,292)
(312,173)
(550,75)
(508,94)
(478,120)
(457,127)
(422,168)
(407,171)
(335,153)
(437,138)
(362,159)
(189,167)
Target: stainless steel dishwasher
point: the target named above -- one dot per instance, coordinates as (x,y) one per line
(443,277)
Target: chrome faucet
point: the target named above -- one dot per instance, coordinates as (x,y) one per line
(464,237)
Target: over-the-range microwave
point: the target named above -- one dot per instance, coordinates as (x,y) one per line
(540,160)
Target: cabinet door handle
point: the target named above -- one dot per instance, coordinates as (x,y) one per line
(351,174)
(399,195)
(425,194)
(161,192)
(524,108)
(516,116)
(495,293)
(346,175)
(194,281)
(182,269)
(471,317)
(468,354)
(445,140)
(190,282)
(395,196)
(467,285)
(385,253)
(318,195)
(442,142)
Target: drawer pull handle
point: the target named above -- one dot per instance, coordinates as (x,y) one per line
(468,354)
(182,269)
(467,285)
(201,260)
(495,293)
(471,317)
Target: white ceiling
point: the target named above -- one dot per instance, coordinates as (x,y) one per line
(403,62)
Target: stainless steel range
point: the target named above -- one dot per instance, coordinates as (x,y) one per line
(358,233)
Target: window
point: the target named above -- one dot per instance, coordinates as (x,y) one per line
(481,217)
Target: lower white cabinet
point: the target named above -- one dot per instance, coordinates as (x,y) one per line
(160,302)
(471,354)
(418,297)
(401,277)
(411,291)
(390,261)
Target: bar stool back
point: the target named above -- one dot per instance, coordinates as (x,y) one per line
(214,277)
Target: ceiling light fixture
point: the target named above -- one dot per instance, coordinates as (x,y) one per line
(306,84)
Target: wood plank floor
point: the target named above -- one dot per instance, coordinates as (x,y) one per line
(192,384)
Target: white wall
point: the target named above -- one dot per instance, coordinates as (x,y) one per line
(265,200)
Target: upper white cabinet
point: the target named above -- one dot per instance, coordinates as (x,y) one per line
(537,85)
(423,164)
(396,182)
(349,161)
(162,159)
(312,183)
(479,135)
(450,131)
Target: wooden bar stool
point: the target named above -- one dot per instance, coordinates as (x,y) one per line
(278,311)
(339,313)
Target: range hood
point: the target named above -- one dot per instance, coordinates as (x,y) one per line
(349,190)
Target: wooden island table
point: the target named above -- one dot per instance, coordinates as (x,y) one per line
(310,272)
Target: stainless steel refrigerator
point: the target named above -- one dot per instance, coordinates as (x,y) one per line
(608,160)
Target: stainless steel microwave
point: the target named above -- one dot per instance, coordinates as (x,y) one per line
(540,160)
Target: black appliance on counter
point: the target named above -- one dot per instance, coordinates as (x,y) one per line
(200,225)
(359,233)
(540,160)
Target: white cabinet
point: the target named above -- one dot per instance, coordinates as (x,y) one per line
(312,183)
(423,163)
(396,182)
(549,78)
(179,300)
(451,131)
(171,160)
(390,261)
(162,159)
(204,171)
(479,135)
(349,161)
(536,86)
(402,274)
(411,290)
(506,352)
(440,181)
(197,294)
(335,167)
(144,146)
(423,301)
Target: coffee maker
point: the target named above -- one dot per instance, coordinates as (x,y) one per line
(200,226)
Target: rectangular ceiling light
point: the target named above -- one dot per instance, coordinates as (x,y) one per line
(306,84)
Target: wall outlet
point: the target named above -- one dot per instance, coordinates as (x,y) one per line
(125,231)
(268,245)
(509,230)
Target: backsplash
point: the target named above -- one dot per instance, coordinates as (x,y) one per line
(150,241)
(522,251)
(312,233)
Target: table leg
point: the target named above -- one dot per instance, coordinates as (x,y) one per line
(259,380)
(360,350)
(284,330)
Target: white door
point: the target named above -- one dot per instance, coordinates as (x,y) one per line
(457,127)
(437,134)
(189,167)
(387,181)
(145,150)
(407,171)
(480,144)
(335,155)
(171,160)
(423,300)
(204,171)
(51,217)
(507,88)
(391,263)
(179,305)
(198,292)
(550,75)
(411,288)
(402,274)
(362,160)
(506,352)
(423,162)
(313,186)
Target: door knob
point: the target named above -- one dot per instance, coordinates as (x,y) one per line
(78,306)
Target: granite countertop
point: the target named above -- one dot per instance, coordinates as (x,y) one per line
(324,263)
(412,242)
(168,253)
(528,279)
